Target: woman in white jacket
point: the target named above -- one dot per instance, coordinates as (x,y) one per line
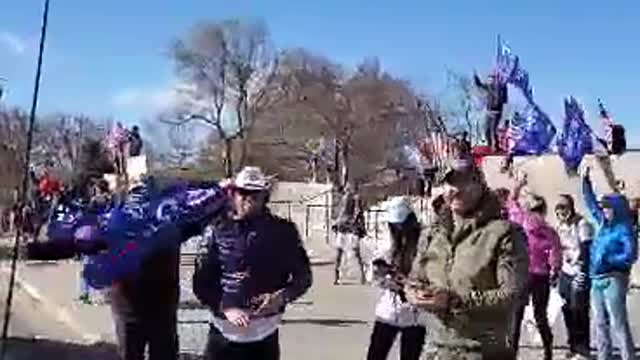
(393,313)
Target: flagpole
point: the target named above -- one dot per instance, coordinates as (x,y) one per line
(25,182)
(499,41)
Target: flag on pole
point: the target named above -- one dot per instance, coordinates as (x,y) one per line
(531,132)
(576,140)
(510,71)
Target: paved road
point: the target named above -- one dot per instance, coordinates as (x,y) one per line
(34,334)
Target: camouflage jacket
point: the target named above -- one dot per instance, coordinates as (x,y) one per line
(481,258)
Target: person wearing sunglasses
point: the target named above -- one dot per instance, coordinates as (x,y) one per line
(255,264)
(613,252)
(576,234)
(393,313)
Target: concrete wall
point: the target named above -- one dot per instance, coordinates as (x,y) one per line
(547,177)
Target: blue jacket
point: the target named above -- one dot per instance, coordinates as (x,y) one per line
(246,258)
(615,247)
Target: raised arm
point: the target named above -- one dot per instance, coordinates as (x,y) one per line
(590,200)
(479,82)
(516,213)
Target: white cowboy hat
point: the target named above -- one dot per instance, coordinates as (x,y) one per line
(253,179)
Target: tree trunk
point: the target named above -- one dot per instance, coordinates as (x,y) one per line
(344,162)
(228,157)
(314,169)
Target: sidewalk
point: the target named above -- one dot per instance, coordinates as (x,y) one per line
(334,322)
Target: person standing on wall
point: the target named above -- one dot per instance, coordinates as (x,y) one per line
(496,97)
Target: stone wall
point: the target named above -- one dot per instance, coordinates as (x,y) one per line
(547,177)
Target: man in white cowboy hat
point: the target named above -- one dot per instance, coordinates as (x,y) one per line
(255,265)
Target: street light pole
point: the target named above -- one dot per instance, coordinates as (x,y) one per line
(25,182)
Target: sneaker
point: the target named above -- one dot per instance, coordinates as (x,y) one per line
(580,357)
(85,299)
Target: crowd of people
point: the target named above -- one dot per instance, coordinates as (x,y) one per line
(449,281)
(454,285)
(487,254)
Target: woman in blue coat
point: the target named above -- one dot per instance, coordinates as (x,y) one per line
(613,252)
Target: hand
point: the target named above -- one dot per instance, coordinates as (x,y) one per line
(237,317)
(432,300)
(579,281)
(522,178)
(553,280)
(271,302)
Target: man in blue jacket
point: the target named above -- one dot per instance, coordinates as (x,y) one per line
(613,252)
(255,265)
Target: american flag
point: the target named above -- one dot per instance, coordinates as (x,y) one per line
(437,148)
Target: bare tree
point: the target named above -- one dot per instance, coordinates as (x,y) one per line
(13,130)
(59,139)
(463,103)
(229,70)
(183,147)
(356,116)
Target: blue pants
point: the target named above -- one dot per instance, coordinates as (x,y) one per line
(609,305)
(84,286)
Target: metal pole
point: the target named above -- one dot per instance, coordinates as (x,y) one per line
(25,182)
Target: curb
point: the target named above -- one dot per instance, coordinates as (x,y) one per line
(321,261)
(60,313)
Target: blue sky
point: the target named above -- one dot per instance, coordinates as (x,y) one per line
(106,58)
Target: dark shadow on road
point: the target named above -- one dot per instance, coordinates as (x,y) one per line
(24,349)
(29,349)
(319,263)
(323,322)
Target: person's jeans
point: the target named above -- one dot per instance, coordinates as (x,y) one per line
(491,128)
(220,348)
(538,289)
(575,312)
(383,336)
(136,329)
(609,305)
(85,290)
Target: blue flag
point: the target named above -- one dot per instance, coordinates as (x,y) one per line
(531,132)
(510,71)
(576,140)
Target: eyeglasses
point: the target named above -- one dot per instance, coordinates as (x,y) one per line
(247,193)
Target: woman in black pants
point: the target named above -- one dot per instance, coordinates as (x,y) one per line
(393,313)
